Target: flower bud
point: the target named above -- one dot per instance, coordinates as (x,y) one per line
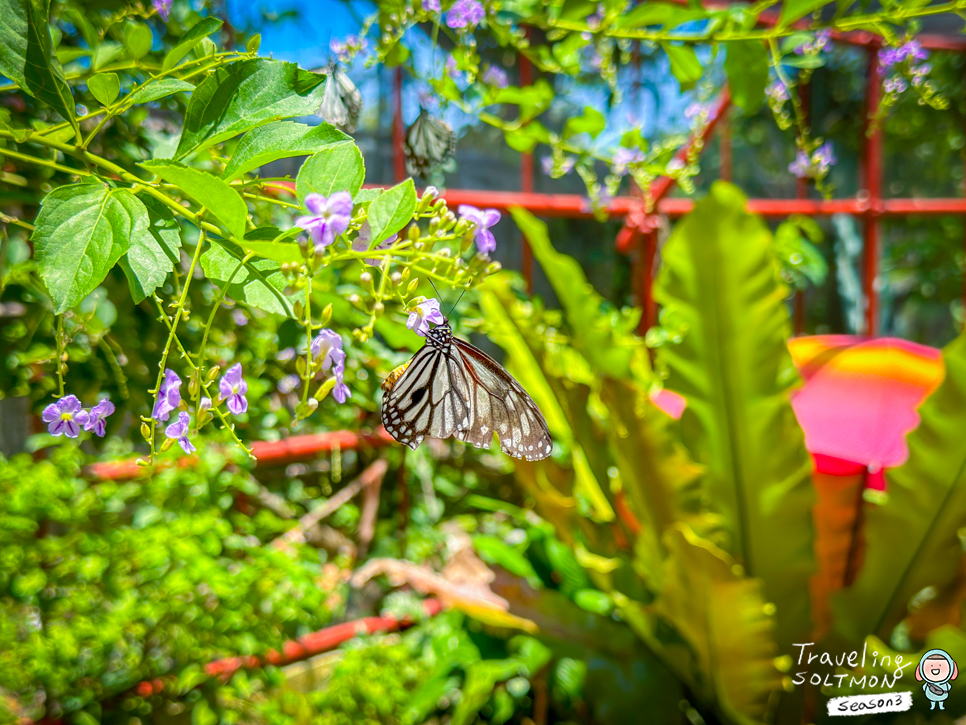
(145,431)
(413,232)
(212,374)
(494,268)
(365,278)
(412,285)
(326,315)
(193,386)
(168,442)
(297,309)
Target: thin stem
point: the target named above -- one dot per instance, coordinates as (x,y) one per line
(214,309)
(173,331)
(44,162)
(204,386)
(308,374)
(60,356)
(800,120)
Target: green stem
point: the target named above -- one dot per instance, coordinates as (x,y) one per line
(43,162)
(173,332)
(60,356)
(214,309)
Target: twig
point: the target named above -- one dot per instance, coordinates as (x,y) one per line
(370,477)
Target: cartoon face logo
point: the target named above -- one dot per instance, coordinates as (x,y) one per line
(935,670)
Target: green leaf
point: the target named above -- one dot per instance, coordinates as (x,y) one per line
(106,52)
(913,540)
(154,252)
(734,369)
(594,334)
(81,232)
(658,13)
(724,618)
(284,253)
(494,551)
(27,57)
(336,168)
(242,95)
(594,601)
(156,91)
(105,87)
(208,190)
(746,64)
(138,39)
(793,10)
(280,140)
(684,64)
(391,211)
(257,283)
(532,100)
(202,29)
(591,122)
(525,138)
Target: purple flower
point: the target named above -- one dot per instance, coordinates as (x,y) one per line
(328,345)
(329,217)
(169,396)
(179,430)
(482,221)
(465,13)
(362,242)
(64,417)
(425,312)
(453,70)
(286,354)
(289,383)
(777,92)
(163,7)
(94,419)
(344,50)
(694,110)
(816,45)
(341,392)
(233,388)
(204,405)
(890,56)
(432,5)
(239,317)
(496,77)
(565,166)
(624,158)
(801,166)
(896,84)
(913,50)
(593,21)
(824,157)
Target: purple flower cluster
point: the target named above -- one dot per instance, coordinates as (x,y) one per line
(912,50)
(179,432)
(423,314)
(494,76)
(566,166)
(482,220)
(328,346)
(452,70)
(169,396)
(431,5)
(65,417)
(623,158)
(163,7)
(821,40)
(815,166)
(328,218)
(344,50)
(777,93)
(465,14)
(362,242)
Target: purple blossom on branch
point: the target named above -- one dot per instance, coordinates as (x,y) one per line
(816,166)
(465,14)
(163,7)
(328,345)
(169,396)
(482,220)
(816,45)
(64,417)
(328,218)
(288,383)
(362,242)
(565,166)
(179,430)
(431,5)
(891,56)
(496,77)
(624,158)
(95,418)
(423,314)
(777,92)
(233,387)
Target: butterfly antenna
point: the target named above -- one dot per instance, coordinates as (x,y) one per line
(457,303)
(435,290)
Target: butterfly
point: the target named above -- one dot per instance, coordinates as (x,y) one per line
(429,143)
(341,100)
(451,389)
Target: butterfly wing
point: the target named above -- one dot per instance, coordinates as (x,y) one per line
(429,143)
(341,101)
(428,399)
(498,404)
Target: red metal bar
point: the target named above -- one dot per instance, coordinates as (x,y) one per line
(872,179)
(267,453)
(324,640)
(526,174)
(398,130)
